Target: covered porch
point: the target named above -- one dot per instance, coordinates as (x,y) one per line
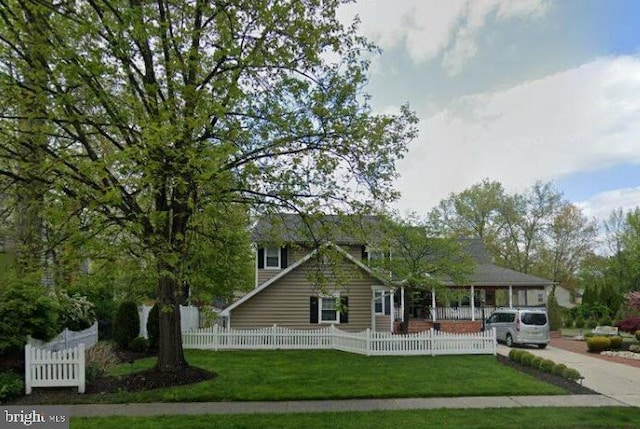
(464,308)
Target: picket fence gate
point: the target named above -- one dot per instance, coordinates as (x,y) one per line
(366,342)
(44,368)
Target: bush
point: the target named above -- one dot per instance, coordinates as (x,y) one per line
(126,325)
(153,326)
(558,369)
(579,322)
(11,386)
(598,344)
(591,323)
(589,335)
(139,345)
(99,360)
(605,321)
(571,374)
(616,342)
(536,361)
(568,322)
(629,325)
(547,365)
(526,358)
(515,354)
(555,313)
(26,310)
(77,312)
(637,334)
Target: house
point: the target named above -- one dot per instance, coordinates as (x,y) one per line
(317,271)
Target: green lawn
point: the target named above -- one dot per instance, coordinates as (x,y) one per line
(510,418)
(325,374)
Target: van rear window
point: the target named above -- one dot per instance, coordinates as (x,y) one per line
(534,319)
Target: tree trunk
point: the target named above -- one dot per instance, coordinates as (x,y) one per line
(170,352)
(406,310)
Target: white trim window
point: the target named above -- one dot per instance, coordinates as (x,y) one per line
(378,297)
(272,258)
(328,309)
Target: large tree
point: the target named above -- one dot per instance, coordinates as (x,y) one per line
(153,111)
(421,259)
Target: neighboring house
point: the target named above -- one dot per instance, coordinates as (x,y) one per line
(291,255)
(565,297)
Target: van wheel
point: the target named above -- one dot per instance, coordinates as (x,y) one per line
(542,346)
(509,340)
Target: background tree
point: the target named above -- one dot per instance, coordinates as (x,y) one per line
(153,111)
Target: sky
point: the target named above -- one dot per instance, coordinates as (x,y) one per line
(516,91)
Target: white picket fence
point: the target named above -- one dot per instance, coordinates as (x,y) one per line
(189,318)
(366,342)
(68,339)
(45,368)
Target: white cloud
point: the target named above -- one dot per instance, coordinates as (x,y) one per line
(430,28)
(601,205)
(585,118)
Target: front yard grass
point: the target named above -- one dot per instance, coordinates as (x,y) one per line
(327,374)
(507,418)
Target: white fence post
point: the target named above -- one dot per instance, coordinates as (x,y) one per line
(81,368)
(27,369)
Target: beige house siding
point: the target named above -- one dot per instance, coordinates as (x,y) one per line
(383,323)
(286,301)
(295,253)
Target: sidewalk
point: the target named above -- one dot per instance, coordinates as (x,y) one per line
(614,380)
(191,408)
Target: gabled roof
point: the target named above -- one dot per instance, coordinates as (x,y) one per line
(298,263)
(295,228)
(492,275)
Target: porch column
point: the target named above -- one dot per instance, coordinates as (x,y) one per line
(392,309)
(510,296)
(402,304)
(433,304)
(473,304)
(373,310)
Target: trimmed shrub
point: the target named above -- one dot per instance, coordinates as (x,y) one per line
(100,359)
(153,326)
(558,369)
(139,345)
(630,325)
(616,342)
(526,358)
(515,354)
(547,365)
(536,361)
(126,325)
(11,386)
(598,344)
(571,374)
(579,322)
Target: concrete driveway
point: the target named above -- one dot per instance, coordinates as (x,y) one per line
(617,381)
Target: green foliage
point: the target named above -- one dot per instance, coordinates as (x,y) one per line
(547,365)
(555,313)
(139,345)
(598,344)
(568,321)
(558,369)
(77,312)
(527,358)
(591,323)
(100,359)
(11,386)
(536,361)
(616,342)
(637,335)
(126,325)
(571,374)
(515,354)
(27,309)
(605,321)
(579,322)
(153,326)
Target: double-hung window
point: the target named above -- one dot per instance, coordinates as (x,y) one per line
(272,257)
(328,309)
(382,302)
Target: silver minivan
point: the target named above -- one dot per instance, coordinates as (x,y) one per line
(520,326)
